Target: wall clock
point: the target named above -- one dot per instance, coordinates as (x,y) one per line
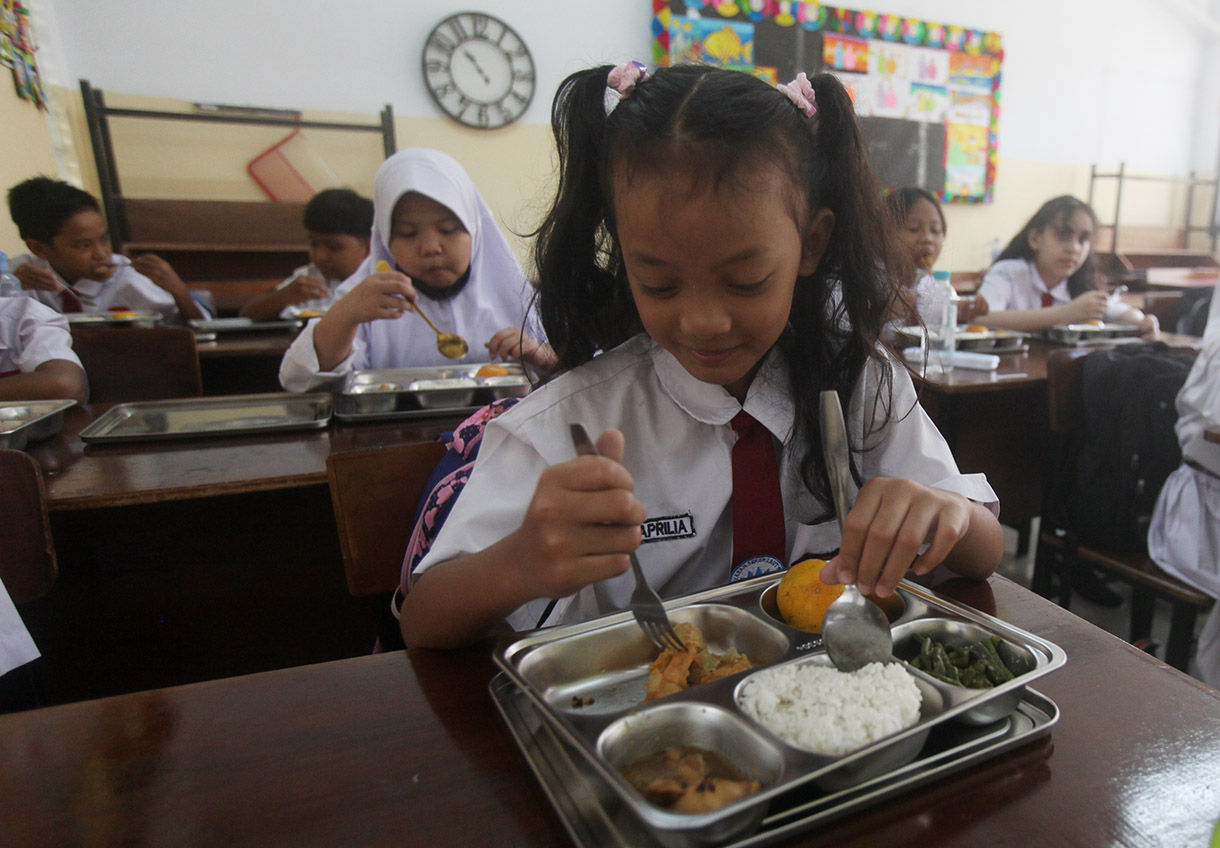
(478,70)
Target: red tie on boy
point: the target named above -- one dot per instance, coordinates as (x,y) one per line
(758,507)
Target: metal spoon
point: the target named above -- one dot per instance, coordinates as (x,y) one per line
(449,344)
(854,630)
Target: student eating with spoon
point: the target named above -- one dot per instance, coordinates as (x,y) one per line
(435,245)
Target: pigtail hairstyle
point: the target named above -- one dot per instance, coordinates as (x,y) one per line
(1056,213)
(713,126)
(583,304)
(830,344)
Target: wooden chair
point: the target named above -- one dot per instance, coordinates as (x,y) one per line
(374,494)
(138,363)
(1059,551)
(27,554)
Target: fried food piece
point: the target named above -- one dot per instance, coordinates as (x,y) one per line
(492,370)
(672,671)
(689,780)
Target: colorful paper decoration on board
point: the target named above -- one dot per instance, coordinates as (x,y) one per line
(896,68)
(17,52)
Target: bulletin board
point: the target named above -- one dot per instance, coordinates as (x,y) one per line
(17,52)
(927,94)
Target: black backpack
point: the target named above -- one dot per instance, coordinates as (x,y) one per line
(1128,446)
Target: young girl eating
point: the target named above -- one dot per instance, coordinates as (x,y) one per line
(1045,275)
(437,235)
(714,258)
(921,233)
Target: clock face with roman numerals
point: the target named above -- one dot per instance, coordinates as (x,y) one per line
(478,70)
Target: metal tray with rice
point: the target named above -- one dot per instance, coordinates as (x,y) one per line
(587,682)
(388,393)
(25,421)
(1090,334)
(222,415)
(965,339)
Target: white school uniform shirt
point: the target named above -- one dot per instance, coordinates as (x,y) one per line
(126,288)
(1184,535)
(496,295)
(1016,284)
(31,334)
(678,451)
(315,304)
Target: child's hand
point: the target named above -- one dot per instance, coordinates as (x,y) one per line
(511,343)
(972,307)
(304,287)
(889,522)
(36,277)
(583,522)
(1150,328)
(382,295)
(1090,306)
(159,271)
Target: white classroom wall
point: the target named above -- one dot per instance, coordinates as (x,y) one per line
(1084,81)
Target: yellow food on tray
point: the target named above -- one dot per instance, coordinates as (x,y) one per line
(123,313)
(674,671)
(1094,322)
(976,328)
(802,597)
(492,370)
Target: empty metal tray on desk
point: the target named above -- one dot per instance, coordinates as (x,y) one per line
(25,421)
(228,415)
(243,325)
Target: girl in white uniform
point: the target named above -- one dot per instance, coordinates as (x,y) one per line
(1045,275)
(723,243)
(433,227)
(921,230)
(1184,536)
(36,356)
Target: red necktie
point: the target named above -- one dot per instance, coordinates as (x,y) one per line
(758,507)
(1048,299)
(69,299)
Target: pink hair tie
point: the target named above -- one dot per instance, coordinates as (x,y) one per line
(800,92)
(624,77)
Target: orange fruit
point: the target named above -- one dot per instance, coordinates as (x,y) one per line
(492,370)
(976,328)
(802,597)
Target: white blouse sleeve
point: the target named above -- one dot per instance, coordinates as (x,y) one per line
(299,369)
(998,286)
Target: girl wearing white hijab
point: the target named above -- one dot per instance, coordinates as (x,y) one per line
(430,225)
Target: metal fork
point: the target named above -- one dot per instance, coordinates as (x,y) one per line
(645,603)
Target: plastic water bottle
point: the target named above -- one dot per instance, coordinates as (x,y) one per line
(10,286)
(942,347)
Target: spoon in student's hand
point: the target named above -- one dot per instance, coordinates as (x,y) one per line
(854,630)
(449,344)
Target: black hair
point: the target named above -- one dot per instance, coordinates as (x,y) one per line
(339,211)
(715,125)
(1056,212)
(40,206)
(900,201)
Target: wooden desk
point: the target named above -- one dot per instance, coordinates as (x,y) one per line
(1181,278)
(407,749)
(81,476)
(187,561)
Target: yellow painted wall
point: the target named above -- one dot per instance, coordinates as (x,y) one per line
(513,168)
(25,139)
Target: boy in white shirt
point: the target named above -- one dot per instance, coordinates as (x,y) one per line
(339,223)
(70,266)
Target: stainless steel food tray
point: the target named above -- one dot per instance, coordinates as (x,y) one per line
(226,415)
(595,817)
(989,341)
(388,393)
(25,421)
(587,682)
(243,325)
(1091,334)
(107,319)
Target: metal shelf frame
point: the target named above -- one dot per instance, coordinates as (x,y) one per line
(1192,183)
(98,116)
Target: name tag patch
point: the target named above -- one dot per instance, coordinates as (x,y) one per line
(668,527)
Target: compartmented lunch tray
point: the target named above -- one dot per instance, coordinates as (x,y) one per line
(25,421)
(389,393)
(587,684)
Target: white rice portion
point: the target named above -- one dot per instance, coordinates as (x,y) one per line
(827,711)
